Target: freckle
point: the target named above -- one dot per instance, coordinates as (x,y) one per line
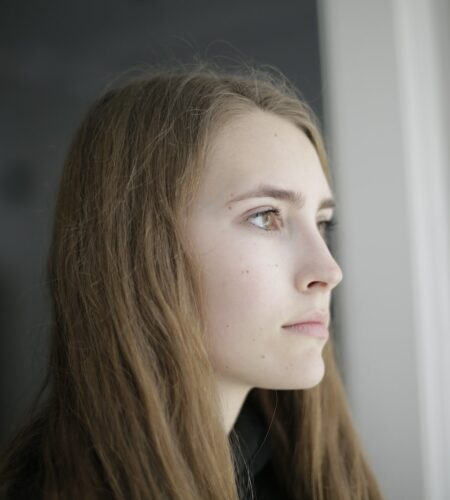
(227,325)
(262,356)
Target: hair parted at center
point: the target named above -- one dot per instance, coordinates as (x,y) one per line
(131,410)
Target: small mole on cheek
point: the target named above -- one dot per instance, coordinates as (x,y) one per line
(262,356)
(227,325)
(245,271)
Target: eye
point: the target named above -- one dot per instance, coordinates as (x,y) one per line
(325,228)
(265,215)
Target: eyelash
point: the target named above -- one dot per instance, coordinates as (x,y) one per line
(327,224)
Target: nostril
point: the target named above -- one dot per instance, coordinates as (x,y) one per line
(320,283)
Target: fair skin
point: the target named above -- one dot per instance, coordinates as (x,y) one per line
(262,271)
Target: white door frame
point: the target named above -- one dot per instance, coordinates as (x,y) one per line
(386,83)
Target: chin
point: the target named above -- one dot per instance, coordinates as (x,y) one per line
(311,376)
(308,373)
(312,381)
(307,376)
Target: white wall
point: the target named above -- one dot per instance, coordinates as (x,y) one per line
(386,102)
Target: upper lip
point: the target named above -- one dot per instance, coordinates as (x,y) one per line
(315,316)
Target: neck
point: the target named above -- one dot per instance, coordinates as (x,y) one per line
(231,396)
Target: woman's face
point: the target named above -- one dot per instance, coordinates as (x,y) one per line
(263,271)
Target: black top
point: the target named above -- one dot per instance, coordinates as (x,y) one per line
(254,458)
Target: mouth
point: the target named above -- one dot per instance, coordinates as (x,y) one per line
(314,323)
(315,316)
(310,329)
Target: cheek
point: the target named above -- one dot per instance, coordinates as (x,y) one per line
(240,294)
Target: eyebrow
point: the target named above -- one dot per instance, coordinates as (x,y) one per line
(295,198)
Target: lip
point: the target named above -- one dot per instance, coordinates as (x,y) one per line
(315,317)
(312,324)
(310,329)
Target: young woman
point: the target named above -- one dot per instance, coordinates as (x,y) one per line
(190,235)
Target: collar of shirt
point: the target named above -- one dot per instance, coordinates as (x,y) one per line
(250,440)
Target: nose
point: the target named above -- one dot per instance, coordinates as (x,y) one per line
(318,269)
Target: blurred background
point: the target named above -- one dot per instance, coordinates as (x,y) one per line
(377,75)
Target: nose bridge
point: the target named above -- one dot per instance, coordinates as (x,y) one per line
(317,264)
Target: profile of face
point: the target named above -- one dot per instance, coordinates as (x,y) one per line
(265,261)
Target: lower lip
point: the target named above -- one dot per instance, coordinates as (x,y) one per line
(318,330)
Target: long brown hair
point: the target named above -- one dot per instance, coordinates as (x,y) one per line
(131,411)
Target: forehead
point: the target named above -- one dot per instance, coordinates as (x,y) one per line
(260,147)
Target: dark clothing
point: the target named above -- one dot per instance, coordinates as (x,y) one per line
(254,459)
